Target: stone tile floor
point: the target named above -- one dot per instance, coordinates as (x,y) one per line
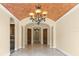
(37,50)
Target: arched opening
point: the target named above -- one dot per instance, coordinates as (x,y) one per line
(36,35)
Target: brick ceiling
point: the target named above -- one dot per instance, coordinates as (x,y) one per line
(55,10)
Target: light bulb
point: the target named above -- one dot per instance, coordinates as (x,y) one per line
(44,12)
(38,11)
(31,14)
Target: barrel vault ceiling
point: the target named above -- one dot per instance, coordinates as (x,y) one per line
(55,10)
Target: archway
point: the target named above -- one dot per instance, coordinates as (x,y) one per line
(48,24)
(37,34)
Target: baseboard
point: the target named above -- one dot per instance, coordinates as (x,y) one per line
(64,52)
(7,54)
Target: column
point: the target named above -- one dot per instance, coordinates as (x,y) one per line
(48,36)
(24,37)
(51,37)
(42,36)
(54,36)
(32,36)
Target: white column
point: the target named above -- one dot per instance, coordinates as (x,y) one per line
(20,36)
(16,36)
(54,36)
(32,36)
(50,37)
(24,37)
(41,35)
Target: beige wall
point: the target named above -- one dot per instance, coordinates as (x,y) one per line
(67,32)
(4,33)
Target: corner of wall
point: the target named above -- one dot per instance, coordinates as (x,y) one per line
(67,13)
